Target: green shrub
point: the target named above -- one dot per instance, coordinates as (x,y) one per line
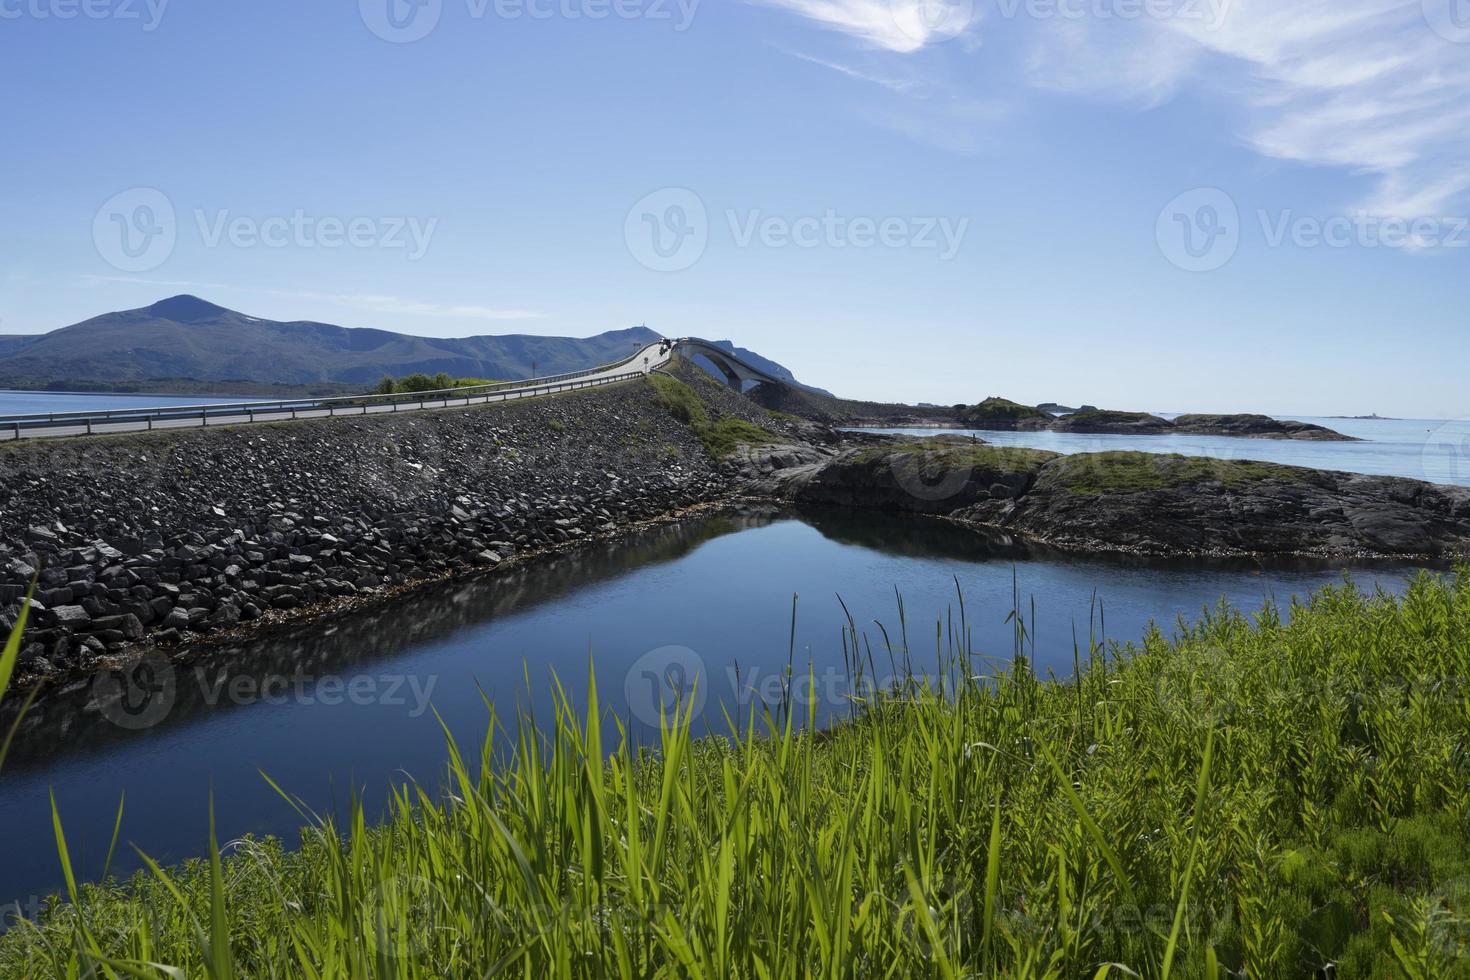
(721,436)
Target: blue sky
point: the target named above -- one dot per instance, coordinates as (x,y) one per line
(899,199)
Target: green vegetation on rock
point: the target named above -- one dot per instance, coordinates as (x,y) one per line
(1282,796)
(417,382)
(1138,472)
(721,435)
(952,452)
(995,409)
(1112,415)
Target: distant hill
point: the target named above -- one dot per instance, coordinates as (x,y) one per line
(186,337)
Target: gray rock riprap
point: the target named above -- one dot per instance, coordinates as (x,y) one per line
(166,534)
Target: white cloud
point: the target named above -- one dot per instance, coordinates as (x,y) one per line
(1362,85)
(901,26)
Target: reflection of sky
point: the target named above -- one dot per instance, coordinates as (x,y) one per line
(726,602)
(1437,451)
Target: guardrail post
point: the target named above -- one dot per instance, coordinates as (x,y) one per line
(203,418)
(89,426)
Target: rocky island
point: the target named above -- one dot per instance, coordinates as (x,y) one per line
(159,538)
(1003,415)
(1146,503)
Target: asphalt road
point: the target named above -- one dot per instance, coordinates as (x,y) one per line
(646,360)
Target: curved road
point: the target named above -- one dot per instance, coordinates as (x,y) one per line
(648,359)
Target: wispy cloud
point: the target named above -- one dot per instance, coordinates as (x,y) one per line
(1362,85)
(901,26)
(903,86)
(373,302)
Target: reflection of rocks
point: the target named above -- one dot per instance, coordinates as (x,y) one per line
(916,537)
(1151,504)
(168,534)
(73,718)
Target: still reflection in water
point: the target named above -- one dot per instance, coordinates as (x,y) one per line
(345,704)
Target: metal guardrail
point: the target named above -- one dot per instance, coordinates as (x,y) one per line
(16,427)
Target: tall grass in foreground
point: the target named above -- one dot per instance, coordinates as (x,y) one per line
(1249,798)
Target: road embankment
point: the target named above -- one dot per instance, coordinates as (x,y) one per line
(158,538)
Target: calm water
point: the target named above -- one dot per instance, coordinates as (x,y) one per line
(1420,449)
(347,706)
(36,402)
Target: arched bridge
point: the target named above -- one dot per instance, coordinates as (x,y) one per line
(736,372)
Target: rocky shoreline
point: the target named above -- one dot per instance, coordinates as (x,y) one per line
(1150,504)
(159,538)
(174,538)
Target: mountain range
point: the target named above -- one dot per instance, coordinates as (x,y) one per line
(187,338)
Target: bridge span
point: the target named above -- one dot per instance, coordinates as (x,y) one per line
(737,374)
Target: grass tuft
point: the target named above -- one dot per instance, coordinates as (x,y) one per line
(1280,796)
